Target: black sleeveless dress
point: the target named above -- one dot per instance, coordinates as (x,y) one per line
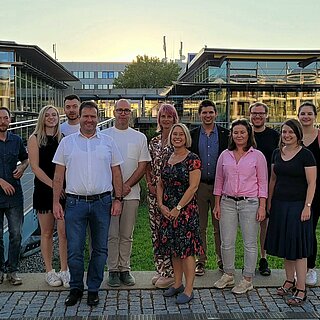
(43,194)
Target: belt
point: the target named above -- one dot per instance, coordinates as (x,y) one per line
(236,198)
(211,182)
(93,197)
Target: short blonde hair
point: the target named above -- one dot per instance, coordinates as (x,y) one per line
(185,131)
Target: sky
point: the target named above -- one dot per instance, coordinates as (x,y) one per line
(119,30)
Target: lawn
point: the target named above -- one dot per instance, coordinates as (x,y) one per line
(142,254)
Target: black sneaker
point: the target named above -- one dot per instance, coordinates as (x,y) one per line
(220,265)
(264,268)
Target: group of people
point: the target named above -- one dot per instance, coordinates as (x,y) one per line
(87,181)
(252,176)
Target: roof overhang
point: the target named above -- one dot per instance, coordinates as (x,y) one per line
(217,56)
(40,60)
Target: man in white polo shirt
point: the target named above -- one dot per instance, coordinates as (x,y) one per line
(91,163)
(133,147)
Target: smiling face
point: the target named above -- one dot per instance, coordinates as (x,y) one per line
(88,121)
(208,115)
(240,135)
(51,118)
(166,121)
(178,137)
(288,137)
(258,116)
(307,116)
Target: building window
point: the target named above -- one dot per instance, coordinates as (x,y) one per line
(108,74)
(88,86)
(88,75)
(103,86)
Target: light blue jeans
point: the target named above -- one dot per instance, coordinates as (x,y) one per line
(244,213)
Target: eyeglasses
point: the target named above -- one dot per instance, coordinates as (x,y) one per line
(258,114)
(126,111)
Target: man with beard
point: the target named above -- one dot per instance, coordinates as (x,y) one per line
(208,141)
(12,150)
(71,109)
(267,140)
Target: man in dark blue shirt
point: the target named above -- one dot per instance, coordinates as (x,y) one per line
(12,150)
(208,141)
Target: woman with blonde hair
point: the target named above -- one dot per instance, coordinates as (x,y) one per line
(42,146)
(179,232)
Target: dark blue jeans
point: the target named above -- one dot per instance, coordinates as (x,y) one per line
(79,214)
(14,216)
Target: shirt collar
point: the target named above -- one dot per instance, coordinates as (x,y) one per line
(214,130)
(96,135)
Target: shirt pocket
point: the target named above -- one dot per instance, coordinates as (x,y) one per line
(133,151)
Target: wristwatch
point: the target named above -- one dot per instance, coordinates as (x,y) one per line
(118,198)
(308,204)
(178,207)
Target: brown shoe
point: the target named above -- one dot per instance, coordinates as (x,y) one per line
(164,282)
(200,270)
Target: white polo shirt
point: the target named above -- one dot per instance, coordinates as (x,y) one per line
(88,162)
(133,147)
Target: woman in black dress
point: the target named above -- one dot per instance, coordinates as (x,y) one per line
(291,190)
(42,146)
(307,116)
(179,235)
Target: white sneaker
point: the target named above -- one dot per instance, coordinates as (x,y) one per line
(225,281)
(53,279)
(242,287)
(65,278)
(311,278)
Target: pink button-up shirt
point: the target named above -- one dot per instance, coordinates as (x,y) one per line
(247,178)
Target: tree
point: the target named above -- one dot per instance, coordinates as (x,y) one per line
(148,72)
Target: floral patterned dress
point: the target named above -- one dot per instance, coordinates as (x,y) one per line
(181,237)
(158,152)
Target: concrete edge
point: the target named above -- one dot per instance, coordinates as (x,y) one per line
(36,282)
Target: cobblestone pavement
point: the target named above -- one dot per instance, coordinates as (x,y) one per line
(114,303)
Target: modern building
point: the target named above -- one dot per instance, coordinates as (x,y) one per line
(30,79)
(234,78)
(96,83)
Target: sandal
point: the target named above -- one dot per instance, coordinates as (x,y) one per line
(282,291)
(295,300)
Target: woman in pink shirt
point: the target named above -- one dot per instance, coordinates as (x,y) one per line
(241,189)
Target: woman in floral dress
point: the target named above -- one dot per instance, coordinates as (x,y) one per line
(179,235)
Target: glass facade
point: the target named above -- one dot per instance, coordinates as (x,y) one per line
(281,81)
(23,89)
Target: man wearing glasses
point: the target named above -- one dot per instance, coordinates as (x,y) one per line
(133,147)
(267,140)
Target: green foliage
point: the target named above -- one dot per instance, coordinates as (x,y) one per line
(151,132)
(147,72)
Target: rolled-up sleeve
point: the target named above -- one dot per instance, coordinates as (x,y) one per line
(218,183)
(262,175)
